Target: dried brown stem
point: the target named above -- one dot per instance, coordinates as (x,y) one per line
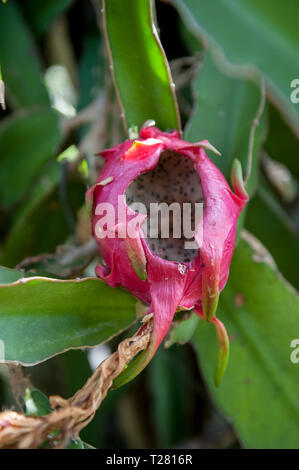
(71,416)
(19,383)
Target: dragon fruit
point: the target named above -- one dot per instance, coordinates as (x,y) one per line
(164,272)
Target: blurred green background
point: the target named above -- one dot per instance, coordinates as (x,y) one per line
(60,97)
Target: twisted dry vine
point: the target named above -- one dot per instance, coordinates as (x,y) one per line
(70,416)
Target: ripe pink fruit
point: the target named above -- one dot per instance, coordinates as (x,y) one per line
(161,167)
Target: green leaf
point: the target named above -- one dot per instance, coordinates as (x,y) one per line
(91,69)
(21,66)
(282,144)
(258,36)
(8,275)
(36,403)
(225,110)
(41,317)
(28,140)
(169,383)
(25,230)
(40,225)
(268,221)
(139,65)
(41,14)
(259,392)
(183,331)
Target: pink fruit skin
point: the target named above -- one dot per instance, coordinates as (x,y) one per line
(169,284)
